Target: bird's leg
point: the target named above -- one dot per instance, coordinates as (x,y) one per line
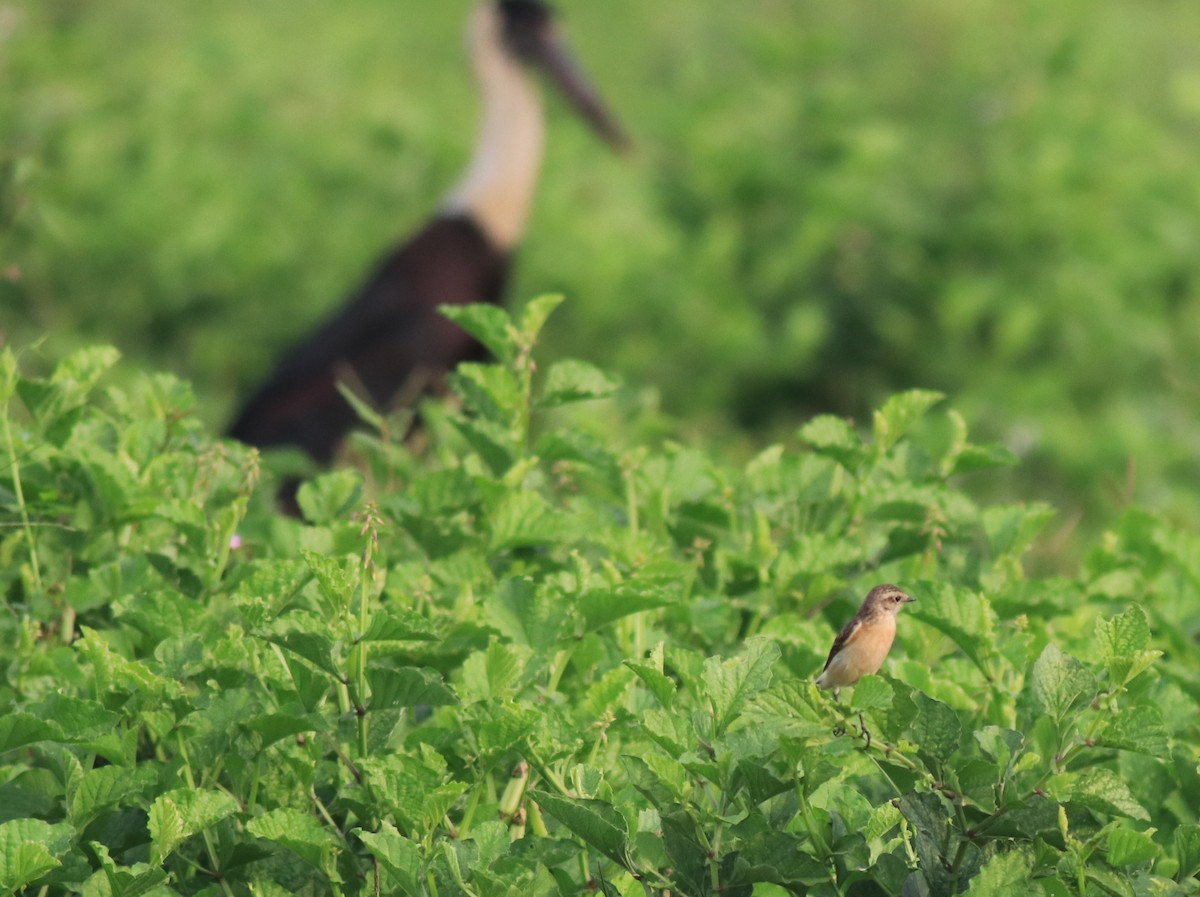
(864,732)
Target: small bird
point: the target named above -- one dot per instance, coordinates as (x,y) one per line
(860,648)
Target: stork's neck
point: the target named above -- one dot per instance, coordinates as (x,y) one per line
(497,189)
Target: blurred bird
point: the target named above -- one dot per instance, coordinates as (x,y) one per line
(863,644)
(389,339)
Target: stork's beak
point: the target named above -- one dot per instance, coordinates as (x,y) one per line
(554,56)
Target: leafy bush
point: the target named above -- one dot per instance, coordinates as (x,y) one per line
(532,661)
(831,202)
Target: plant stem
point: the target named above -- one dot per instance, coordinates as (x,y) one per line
(22,508)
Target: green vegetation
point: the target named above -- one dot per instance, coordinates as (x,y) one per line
(568,644)
(536,663)
(831,203)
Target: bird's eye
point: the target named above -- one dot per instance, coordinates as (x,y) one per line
(897,598)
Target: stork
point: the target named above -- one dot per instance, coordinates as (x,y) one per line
(389,338)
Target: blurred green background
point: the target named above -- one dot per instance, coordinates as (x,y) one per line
(830,202)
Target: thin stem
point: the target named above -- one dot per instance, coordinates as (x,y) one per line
(14,466)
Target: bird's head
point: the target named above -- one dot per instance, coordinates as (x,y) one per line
(886,599)
(526,30)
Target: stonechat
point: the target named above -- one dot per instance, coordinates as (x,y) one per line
(860,648)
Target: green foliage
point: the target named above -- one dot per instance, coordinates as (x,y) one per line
(830,203)
(534,661)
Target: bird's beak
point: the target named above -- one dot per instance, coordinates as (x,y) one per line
(554,56)
(909,599)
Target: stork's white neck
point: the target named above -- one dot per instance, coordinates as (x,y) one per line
(497,190)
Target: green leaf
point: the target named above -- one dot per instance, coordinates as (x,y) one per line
(1129,848)
(1138,729)
(527,615)
(314,647)
(661,685)
(492,673)
(337,577)
(1122,641)
(1187,850)
(964,616)
(525,518)
(1004,875)
(492,392)
(1059,682)
(398,855)
(730,684)
(330,496)
(596,822)
(177,815)
(899,413)
(299,833)
(489,324)
(399,625)
(362,407)
(534,315)
(78,373)
(103,788)
(29,849)
(574,381)
(600,607)
(833,437)
(407,687)
(870,693)
(936,728)
(1103,790)
(19,729)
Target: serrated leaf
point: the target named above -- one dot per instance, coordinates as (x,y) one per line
(177,815)
(314,647)
(527,615)
(101,789)
(1138,729)
(78,373)
(29,849)
(298,832)
(833,437)
(275,727)
(1004,875)
(1129,848)
(596,822)
(571,380)
(488,390)
(330,496)
(337,577)
(407,687)
(399,625)
(1059,681)
(19,729)
(964,616)
(397,854)
(1122,641)
(1103,790)
(488,323)
(492,673)
(600,607)
(899,413)
(525,518)
(660,685)
(871,693)
(936,728)
(730,684)
(670,731)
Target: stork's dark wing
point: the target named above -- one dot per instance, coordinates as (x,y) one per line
(389,333)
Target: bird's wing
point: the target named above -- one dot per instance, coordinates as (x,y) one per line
(848,634)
